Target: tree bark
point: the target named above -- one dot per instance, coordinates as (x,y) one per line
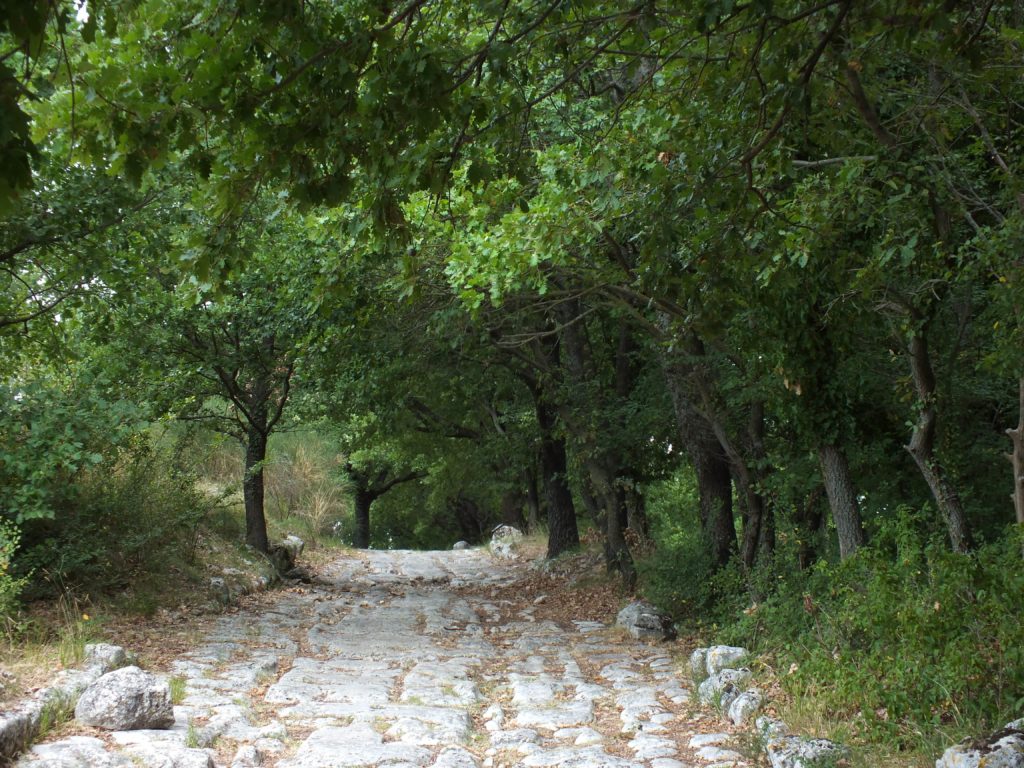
(711,467)
(636,514)
(563,533)
(842,498)
(922,447)
(809,519)
(253,491)
(364,499)
(612,501)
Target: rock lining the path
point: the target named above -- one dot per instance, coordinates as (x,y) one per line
(645,622)
(19,726)
(126,699)
(1002,749)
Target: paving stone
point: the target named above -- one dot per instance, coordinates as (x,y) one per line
(351,747)
(399,670)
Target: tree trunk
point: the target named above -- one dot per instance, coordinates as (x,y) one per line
(563,534)
(809,520)
(612,502)
(252,491)
(1017,458)
(364,498)
(594,509)
(922,447)
(714,477)
(636,514)
(842,498)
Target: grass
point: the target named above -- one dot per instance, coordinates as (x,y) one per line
(178,686)
(57,710)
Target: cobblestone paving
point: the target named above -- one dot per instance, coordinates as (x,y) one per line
(412,660)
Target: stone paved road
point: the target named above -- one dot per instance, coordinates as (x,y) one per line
(411,660)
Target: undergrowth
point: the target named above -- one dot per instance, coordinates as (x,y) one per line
(907,645)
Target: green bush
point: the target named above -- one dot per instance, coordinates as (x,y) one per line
(10,586)
(911,642)
(126,518)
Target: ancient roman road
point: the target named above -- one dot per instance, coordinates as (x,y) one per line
(412,659)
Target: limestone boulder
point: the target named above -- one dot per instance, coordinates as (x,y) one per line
(721,657)
(504,541)
(799,752)
(126,699)
(106,656)
(723,682)
(644,621)
(745,706)
(1002,749)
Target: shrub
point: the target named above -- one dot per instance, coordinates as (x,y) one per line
(908,640)
(10,586)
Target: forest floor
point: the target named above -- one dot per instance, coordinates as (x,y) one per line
(400,658)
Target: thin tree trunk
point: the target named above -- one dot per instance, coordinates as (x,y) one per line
(364,498)
(809,519)
(922,447)
(636,514)
(253,491)
(842,498)
(617,554)
(1017,458)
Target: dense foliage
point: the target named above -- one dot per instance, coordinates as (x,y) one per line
(736,287)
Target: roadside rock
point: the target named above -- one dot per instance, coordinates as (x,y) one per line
(504,541)
(108,657)
(721,657)
(1002,749)
(745,706)
(711,690)
(644,621)
(770,728)
(797,752)
(125,700)
(460,545)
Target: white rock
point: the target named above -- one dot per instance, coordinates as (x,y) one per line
(1004,749)
(769,727)
(74,752)
(643,620)
(458,545)
(108,657)
(126,699)
(711,690)
(798,752)
(721,657)
(744,706)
